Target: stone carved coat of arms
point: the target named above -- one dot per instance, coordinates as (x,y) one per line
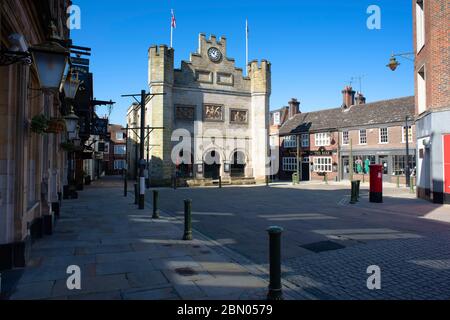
(213,113)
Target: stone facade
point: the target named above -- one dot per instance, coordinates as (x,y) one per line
(33,168)
(209,100)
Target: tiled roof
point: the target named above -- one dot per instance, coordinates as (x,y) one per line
(380,112)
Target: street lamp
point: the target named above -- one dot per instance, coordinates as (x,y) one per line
(71,85)
(394,64)
(50,59)
(71,123)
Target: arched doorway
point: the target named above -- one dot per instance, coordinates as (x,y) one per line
(238,165)
(185,165)
(212,165)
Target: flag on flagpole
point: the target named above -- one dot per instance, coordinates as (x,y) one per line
(173,25)
(174,21)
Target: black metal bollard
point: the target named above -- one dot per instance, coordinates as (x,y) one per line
(155,204)
(125,184)
(275,287)
(187,220)
(267,181)
(220,182)
(353,198)
(136,193)
(358,189)
(174,182)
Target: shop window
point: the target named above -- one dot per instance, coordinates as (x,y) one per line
(323,164)
(345,138)
(400,164)
(323,139)
(363,136)
(120,150)
(290,164)
(290,142)
(410,135)
(305,140)
(384,136)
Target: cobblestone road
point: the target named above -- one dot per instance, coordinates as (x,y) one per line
(328,244)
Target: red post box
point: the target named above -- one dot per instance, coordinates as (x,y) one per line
(376,183)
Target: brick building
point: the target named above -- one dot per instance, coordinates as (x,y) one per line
(276,120)
(115,156)
(329,142)
(432,86)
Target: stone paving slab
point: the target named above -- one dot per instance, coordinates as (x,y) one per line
(124,254)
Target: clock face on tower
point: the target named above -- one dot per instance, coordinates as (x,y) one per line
(214,54)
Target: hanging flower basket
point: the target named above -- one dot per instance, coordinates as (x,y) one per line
(56,126)
(39,124)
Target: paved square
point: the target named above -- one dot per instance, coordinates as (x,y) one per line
(328,244)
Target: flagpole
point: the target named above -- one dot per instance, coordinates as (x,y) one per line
(246,47)
(171,30)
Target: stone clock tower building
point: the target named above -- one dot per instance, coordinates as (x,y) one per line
(220,116)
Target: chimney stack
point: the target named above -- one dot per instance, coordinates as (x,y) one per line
(294,107)
(360,99)
(348,97)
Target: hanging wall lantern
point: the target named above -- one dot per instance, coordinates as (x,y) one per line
(50,59)
(71,85)
(71,123)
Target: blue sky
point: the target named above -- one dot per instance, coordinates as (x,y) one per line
(315,47)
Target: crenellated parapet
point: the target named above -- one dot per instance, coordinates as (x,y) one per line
(260,75)
(161,65)
(204,44)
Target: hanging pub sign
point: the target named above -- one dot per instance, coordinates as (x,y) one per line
(99,127)
(79,61)
(80,69)
(85,93)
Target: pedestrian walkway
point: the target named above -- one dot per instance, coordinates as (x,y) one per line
(124,254)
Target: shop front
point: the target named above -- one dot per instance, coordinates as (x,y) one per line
(394,164)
